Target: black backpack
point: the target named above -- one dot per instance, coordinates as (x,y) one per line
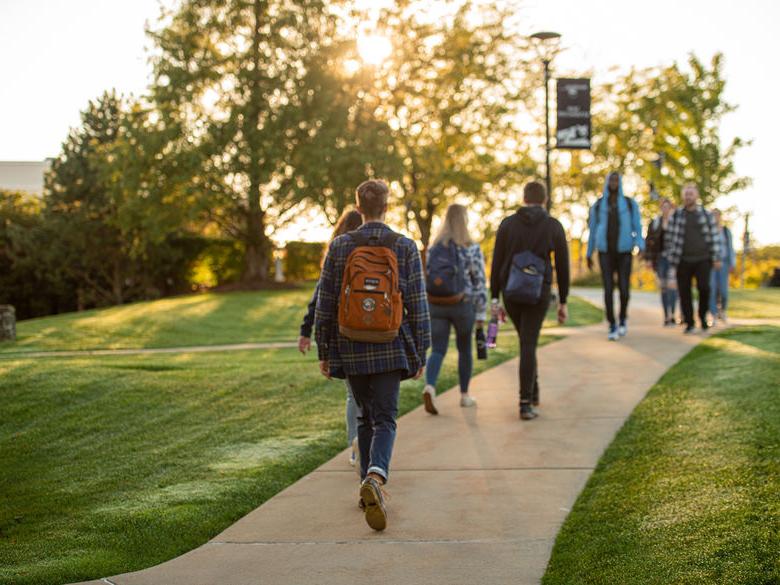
(526,275)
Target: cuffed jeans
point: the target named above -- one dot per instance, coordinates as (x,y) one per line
(528,320)
(377,398)
(461,316)
(610,264)
(686,272)
(719,287)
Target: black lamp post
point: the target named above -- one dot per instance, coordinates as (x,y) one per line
(543,38)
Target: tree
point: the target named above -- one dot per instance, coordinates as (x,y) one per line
(660,127)
(683,110)
(256,88)
(115,209)
(451,94)
(26,282)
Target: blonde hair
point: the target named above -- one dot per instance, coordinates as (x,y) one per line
(455,227)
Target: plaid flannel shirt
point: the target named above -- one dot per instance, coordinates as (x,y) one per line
(407,351)
(674,238)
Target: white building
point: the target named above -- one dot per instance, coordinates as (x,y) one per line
(23,175)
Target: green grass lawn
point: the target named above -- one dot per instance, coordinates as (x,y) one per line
(761,303)
(206,319)
(113,464)
(689,491)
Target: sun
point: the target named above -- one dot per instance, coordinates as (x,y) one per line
(374,49)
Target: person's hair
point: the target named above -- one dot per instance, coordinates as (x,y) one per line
(349,221)
(455,227)
(718,211)
(372,197)
(534,193)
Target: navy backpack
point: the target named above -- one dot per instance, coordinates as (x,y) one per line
(445,277)
(526,276)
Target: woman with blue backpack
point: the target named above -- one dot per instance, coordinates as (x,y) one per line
(457,297)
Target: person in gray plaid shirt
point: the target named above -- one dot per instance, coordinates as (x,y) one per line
(692,246)
(374,370)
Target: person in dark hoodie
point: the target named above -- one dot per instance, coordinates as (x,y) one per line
(529,230)
(615,226)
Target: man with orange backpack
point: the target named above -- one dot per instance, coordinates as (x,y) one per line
(373,328)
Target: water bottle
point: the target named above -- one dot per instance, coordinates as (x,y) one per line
(481,344)
(492,334)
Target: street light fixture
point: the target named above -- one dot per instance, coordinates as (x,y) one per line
(546,42)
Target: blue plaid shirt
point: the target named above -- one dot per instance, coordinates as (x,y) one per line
(351,358)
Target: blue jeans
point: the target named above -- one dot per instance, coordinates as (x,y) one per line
(668,295)
(719,287)
(461,317)
(351,415)
(377,398)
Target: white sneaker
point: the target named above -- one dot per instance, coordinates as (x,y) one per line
(467,401)
(622,330)
(613,334)
(429,399)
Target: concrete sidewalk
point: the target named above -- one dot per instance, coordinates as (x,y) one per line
(476,495)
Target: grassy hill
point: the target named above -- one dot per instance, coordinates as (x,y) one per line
(204,319)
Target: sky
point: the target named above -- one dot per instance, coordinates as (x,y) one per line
(58,54)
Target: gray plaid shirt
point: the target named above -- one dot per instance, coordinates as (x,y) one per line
(674,238)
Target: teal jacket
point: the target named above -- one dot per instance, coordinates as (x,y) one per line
(629,223)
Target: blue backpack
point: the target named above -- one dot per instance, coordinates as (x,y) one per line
(445,277)
(526,276)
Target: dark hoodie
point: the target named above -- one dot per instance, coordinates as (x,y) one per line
(531,228)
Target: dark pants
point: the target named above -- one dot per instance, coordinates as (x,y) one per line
(686,272)
(461,317)
(610,264)
(528,320)
(377,397)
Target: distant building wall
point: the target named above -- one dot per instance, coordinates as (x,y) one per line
(23,175)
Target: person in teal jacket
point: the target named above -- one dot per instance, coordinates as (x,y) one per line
(615,226)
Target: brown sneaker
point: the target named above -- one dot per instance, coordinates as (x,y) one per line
(374,501)
(429,399)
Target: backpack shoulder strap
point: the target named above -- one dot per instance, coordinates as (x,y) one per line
(363,239)
(360,238)
(389,240)
(544,232)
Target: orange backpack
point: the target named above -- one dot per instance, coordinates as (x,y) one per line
(370,304)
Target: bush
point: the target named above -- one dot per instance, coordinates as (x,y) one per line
(221,261)
(303,259)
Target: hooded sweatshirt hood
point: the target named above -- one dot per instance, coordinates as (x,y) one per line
(605,191)
(532,214)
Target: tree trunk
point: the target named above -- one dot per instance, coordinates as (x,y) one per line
(256,253)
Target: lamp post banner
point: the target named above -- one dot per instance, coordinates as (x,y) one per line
(573,127)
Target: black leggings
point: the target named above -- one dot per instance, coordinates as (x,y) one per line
(528,320)
(610,264)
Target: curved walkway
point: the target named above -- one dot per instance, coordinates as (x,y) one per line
(476,495)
